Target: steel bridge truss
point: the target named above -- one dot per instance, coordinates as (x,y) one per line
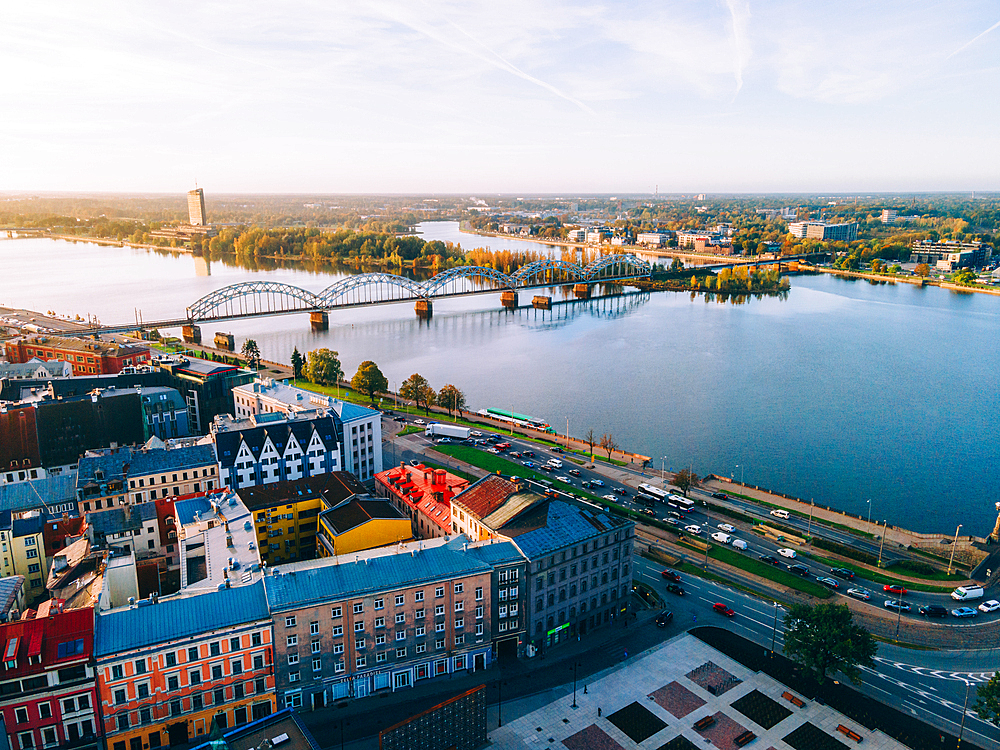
(250,298)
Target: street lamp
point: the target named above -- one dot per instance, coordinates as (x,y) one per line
(741,468)
(662,480)
(575,665)
(953,545)
(961,728)
(869,515)
(774,628)
(881,544)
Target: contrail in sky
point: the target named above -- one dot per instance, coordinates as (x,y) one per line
(973,40)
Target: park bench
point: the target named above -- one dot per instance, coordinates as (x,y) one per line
(744,739)
(849,733)
(704,722)
(794,700)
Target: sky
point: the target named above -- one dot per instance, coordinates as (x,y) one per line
(413,96)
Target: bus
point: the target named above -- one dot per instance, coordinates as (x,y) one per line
(654,492)
(680,503)
(662,496)
(521,420)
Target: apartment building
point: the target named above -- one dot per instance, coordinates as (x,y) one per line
(384,619)
(171,670)
(22,552)
(820,230)
(422,494)
(126,529)
(85,356)
(361,523)
(48,697)
(471,507)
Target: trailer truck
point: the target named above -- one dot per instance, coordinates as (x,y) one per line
(436,430)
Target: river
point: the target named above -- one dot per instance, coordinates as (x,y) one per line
(842,391)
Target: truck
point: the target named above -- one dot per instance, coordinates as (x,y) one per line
(436,430)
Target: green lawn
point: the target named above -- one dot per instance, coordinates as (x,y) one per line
(768,571)
(877,577)
(411,429)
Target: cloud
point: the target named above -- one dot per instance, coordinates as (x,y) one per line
(740,12)
(974,40)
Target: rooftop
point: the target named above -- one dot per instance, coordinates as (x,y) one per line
(10,588)
(105,348)
(116,463)
(43,643)
(554,525)
(486,495)
(176,617)
(373,571)
(357,512)
(121,519)
(283,724)
(218,542)
(334,488)
(299,399)
(38,493)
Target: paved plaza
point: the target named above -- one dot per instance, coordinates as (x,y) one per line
(682,695)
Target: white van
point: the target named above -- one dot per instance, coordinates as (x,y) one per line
(780,513)
(722,537)
(554,462)
(739,544)
(964,593)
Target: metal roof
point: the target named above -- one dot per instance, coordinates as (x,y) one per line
(128,628)
(563,525)
(38,493)
(142,461)
(388,569)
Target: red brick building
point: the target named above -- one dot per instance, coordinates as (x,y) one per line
(423,494)
(86,356)
(48,694)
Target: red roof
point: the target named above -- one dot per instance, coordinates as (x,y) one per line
(486,495)
(24,641)
(55,533)
(427,490)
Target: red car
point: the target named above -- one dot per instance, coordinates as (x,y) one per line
(894,588)
(722,609)
(671,576)
(503,446)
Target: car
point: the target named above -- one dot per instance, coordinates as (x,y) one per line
(964,612)
(847,575)
(769,559)
(991,606)
(620,491)
(672,521)
(663,619)
(898,605)
(610,498)
(933,610)
(726,527)
(529,464)
(720,495)
(894,588)
(721,536)
(780,514)
(514,454)
(419,421)
(597,482)
(671,576)
(557,449)
(573,472)
(414,462)
(441,441)
(673,588)
(722,609)
(649,512)
(494,450)
(528,454)
(564,479)
(545,467)
(475,433)
(692,528)
(800,570)
(860,593)
(830,582)
(787,552)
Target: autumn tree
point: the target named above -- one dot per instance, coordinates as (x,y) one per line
(369,380)
(590,439)
(297,363)
(251,353)
(451,398)
(416,389)
(684,480)
(608,444)
(922,269)
(825,640)
(323,367)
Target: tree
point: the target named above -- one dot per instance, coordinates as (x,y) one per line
(323,367)
(296,364)
(922,269)
(988,700)
(608,444)
(451,399)
(591,440)
(684,480)
(418,390)
(251,353)
(825,640)
(369,380)
(677,266)
(965,276)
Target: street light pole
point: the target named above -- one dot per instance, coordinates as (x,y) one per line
(899,616)
(961,728)
(575,665)
(774,629)
(500,702)
(812,504)
(869,515)
(953,545)
(881,544)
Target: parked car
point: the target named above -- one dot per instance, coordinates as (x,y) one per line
(673,588)
(895,588)
(573,472)
(859,593)
(769,559)
(663,619)
(720,495)
(964,612)
(933,610)
(787,552)
(726,527)
(847,575)
(830,582)
(722,609)
(800,570)
(693,528)
(671,576)
(991,606)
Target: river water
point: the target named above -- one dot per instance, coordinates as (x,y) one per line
(842,391)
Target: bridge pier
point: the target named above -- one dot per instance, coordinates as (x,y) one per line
(509,300)
(541,303)
(191,333)
(319,320)
(424,308)
(581,291)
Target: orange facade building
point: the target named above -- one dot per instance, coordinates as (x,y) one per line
(87,357)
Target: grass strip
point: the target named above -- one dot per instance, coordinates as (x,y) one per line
(816,521)
(877,577)
(409,430)
(768,571)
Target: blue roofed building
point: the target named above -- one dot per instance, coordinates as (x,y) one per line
(54,494)
(173,669)
(382,619)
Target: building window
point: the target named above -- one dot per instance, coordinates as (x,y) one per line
(194,677)
(359,644)
(335,612)
(418,596)
(338,648)
(214,648)
(420,631)
(359,608)
(293,658)
(292,640)
(459,622)
(439,592)
(399,600)
(359,626)
(421,648)
(418,615)
(21,714)
(459,587)
(380,639)
(479,612)
(338,667)
(380,657)
(439,627)
(400,635)
(479,628)
(359,662)
(459,606)
(400,617)
(379,623)
(314,628)
(379,603)
(338,630)
(401,653)
(117,672)
(479,593)
(439,644)
(122,722)
(193,653)
(45,710)
(314,647)
(293,676)
(439,610)
(317,665)
(234,644)
(459,639)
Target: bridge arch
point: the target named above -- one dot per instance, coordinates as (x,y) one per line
(498,279)
(370,287)
(618,265)
(547,270)
(252,298)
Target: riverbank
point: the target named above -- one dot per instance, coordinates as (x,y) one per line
(887,279)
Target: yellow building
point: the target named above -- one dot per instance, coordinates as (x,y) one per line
(359,524)
(22,552)
(286,514)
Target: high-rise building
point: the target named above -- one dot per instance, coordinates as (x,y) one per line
(196,207)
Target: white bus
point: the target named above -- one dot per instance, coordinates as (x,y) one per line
(654,492)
